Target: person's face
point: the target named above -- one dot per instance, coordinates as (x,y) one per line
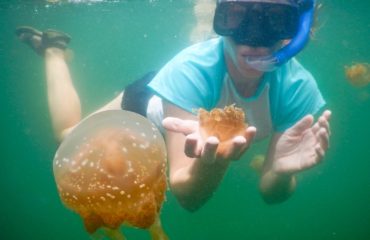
(236,55)
(253,29)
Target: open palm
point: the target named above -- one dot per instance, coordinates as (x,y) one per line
(303,145)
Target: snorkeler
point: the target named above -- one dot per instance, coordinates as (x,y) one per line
(251,64)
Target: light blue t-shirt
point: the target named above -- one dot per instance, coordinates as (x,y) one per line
(197,78)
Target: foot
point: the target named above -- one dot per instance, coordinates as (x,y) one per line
(41,41)
(54,38)
(31,37)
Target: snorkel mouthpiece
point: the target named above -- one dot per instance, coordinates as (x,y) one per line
(273,61)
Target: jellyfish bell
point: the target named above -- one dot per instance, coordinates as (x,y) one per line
(111,170)
(358,74)
(257,162)
(225,124)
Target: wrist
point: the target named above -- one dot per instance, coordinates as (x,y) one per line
(207,167)
(276,187)
(281,176)
(214,163)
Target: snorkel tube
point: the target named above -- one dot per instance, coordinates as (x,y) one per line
(273,61)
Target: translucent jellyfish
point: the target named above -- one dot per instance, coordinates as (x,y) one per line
(358,74)
(257,163)
(224,124)
(111,170)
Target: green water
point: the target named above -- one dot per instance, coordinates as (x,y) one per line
(113,44)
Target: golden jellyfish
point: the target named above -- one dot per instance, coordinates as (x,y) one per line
(257,163)
(358,74)
(111,170)
(224,124)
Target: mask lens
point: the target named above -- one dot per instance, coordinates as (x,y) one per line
(256,24)
(228,18)
(282,21)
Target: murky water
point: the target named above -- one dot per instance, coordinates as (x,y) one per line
(115,42)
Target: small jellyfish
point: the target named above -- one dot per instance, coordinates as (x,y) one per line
(358,74)
(257,163)
(111,170)
(222,123)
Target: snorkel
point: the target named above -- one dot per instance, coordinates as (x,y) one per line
(273,61)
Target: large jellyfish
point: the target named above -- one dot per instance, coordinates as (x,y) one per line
(111,170)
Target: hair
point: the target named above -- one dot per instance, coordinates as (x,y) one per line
(316,25)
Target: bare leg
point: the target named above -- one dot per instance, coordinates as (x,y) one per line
(64,103)
(63,100)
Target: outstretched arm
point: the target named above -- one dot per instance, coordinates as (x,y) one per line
(196,167)
(297,149)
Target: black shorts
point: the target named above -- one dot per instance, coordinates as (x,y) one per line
(136,95)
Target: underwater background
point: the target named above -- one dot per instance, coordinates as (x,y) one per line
(115,42)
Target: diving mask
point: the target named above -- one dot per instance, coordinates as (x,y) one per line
(263,23)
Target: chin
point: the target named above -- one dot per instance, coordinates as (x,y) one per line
(251,72)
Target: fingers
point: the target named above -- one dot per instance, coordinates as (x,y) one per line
(302,125)
(178,125)
(242,143)
(238,147)
(322,132)
(324,139)
(210,150)
(320,153)
(327,114)
(234,148)
(193,146)
(323,143)
(250,133)
(323,122)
